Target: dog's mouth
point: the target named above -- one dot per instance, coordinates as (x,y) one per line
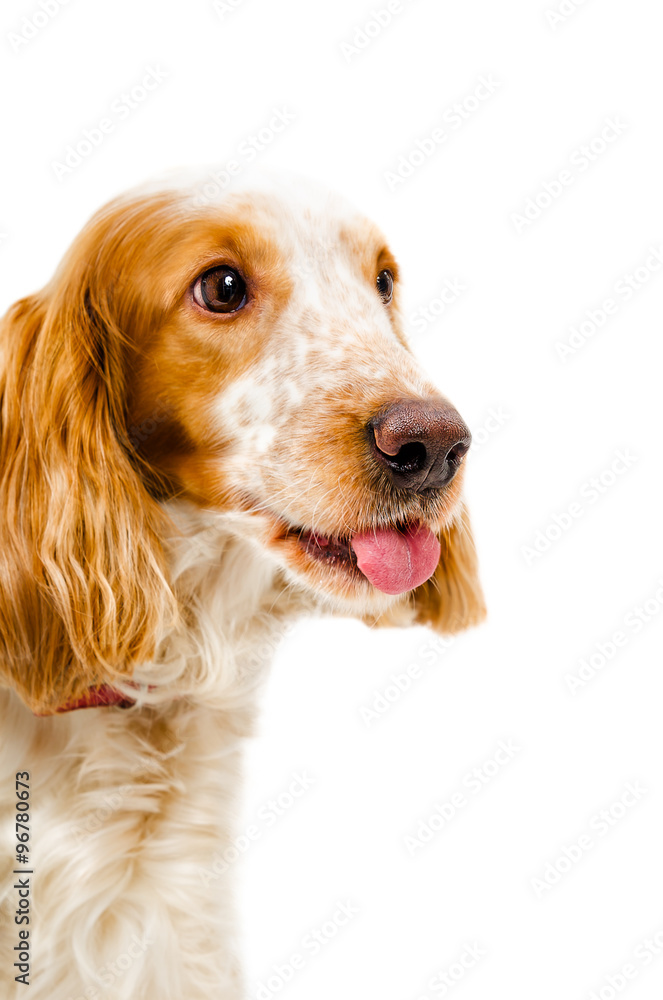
(393,559)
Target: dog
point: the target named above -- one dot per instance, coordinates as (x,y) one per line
(211,423)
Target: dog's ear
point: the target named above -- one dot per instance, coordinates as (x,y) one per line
(452,600)
(83,590)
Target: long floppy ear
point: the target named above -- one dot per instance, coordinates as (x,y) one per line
(83,592)
(452,600)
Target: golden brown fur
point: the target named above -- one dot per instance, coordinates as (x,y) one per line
(159,467)
(83,590)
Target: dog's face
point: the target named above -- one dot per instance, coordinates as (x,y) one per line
(248,356)
(279,357)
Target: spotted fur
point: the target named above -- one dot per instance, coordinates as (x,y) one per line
(158,465)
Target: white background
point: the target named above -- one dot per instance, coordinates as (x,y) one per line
(562,423)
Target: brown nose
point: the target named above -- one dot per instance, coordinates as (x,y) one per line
(419,443)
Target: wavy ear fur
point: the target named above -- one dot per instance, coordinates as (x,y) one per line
(452,600)
(83,593)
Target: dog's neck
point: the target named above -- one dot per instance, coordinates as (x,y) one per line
(236,605)
(235,608)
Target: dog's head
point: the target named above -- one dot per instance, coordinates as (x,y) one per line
(245,355)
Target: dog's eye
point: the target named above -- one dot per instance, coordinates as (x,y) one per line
(221,290)
(385,283)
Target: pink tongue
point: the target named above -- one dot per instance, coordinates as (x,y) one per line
(397,561)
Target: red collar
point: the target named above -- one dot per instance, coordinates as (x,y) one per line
(95,697)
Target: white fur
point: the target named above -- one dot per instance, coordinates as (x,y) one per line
(127,806)
(136,802)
